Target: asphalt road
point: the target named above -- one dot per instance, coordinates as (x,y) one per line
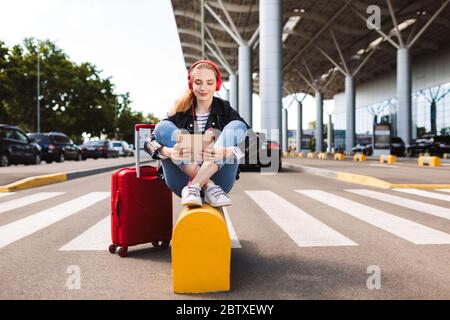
(295,236)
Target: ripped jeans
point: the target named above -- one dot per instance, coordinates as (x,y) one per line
(233,134)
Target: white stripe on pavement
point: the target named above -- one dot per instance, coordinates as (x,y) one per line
(305,230)
(19,229)
(408,230)
(403,202)
(4,194)
(97,237)
(233,236)
(444,190)
(27,200)
(423,193)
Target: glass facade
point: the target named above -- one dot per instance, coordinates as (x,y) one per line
(430,114)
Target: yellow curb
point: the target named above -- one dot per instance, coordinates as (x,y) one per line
(377,183)
(34,182)
(360,179)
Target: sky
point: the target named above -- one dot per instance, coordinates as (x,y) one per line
(133,41)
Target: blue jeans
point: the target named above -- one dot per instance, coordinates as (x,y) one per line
(233,134)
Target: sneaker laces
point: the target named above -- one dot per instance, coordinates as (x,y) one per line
(216,191)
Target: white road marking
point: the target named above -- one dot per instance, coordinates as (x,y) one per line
(97,237)
(406,203)
(443,190)
(233,236)
(19,229)
(305,230)
(423,193)
(4,194)
(27,200)
(403,228)
(383,165)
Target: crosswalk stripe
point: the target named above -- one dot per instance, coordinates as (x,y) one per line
(27,200)
(97,237)
(305,230)
(423,193)
(403,228)
(233,236)
(4,194)
(403,202)
(19,229)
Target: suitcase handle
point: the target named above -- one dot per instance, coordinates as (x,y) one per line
(117,204)
(137,145)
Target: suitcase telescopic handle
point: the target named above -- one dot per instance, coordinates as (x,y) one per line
(137,145)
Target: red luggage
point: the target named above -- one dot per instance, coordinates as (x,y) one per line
(141,207)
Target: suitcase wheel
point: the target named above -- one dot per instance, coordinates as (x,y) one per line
(112,248)
(165,244)
(122,252)
(155,243)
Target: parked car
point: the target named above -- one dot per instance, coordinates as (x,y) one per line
(16,147)
(259,152)
(99,149)
(429,143)
(397,148)
(57,146)
(123,148)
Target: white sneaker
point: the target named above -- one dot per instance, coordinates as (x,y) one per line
(216,197)
(190,196)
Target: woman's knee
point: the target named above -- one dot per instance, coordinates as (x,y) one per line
(165,133)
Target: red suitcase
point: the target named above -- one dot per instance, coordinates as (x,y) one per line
(141,207)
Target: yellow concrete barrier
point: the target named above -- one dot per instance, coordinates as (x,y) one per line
(338,156)
(323,156)
(431,161)
(301,155)
(359,157)
(201,251)
(390,159)
(311,155)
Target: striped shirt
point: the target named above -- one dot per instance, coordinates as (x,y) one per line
(201,121)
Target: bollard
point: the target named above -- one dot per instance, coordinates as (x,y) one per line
(338,156)
(446,156)
(201,251)
(285,154)
(301,155)
(390,159)
(323,156)
(359,157)
(431,161)
(311,155)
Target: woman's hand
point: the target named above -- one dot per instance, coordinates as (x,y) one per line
(178,152)
(211,153)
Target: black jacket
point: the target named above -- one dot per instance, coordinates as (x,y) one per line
(221,114)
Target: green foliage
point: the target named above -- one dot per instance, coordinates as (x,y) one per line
(74,98)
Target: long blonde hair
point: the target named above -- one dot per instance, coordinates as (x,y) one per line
(186,100)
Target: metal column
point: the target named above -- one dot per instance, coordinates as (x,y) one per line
(330,133)
(350,113)
(234,91)
(285,130)
(319,122)
(245,83)
(404,115)
(299,126)
(270,66)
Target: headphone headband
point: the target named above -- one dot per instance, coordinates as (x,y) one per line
(219,76)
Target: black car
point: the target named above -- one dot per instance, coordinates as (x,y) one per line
(16,147)
(99,149)
(397,148)
(260,152)
(56,146)
(430,143)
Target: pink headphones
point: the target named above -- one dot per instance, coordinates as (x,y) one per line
(219,76)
